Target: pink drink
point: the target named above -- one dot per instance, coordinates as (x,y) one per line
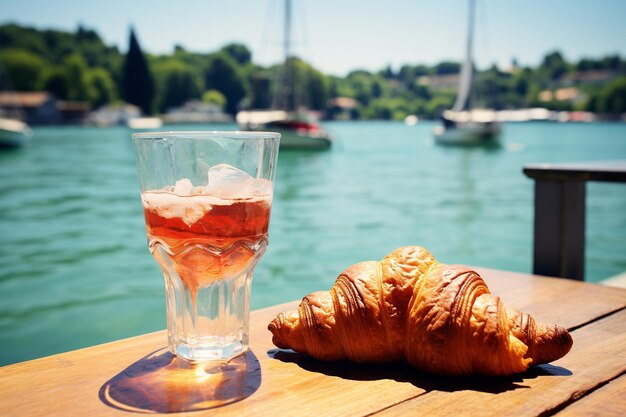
(207,247)
(207,238)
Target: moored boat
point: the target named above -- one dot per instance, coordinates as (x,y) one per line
(473,127)
(13,133)
(463,125)
(299,128)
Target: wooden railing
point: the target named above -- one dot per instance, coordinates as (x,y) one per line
(559,226)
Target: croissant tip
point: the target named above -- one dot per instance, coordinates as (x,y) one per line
(274,324)
(555,344)
(564,340)
(274,327)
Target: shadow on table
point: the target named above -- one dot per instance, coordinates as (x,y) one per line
(160,382)
(401,372)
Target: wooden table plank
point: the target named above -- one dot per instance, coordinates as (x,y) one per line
(606,401)
(595,358)
(268,381)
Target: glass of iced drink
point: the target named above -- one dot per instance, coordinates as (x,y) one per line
(207,198)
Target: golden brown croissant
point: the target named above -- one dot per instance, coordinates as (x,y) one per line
(437,317)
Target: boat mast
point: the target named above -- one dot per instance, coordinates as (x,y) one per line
(464,97)
(288,81)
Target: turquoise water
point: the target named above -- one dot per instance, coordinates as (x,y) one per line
(75,269)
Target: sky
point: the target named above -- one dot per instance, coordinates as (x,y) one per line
(337,36)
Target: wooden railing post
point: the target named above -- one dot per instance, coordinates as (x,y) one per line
(559,229)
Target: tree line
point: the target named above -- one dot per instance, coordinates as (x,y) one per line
(80,66)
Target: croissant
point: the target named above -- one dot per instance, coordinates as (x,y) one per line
(439,318)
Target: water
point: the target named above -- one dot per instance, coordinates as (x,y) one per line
(74,263)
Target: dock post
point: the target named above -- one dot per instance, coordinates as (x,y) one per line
(559,241)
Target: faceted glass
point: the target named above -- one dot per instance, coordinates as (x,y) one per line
(207,198)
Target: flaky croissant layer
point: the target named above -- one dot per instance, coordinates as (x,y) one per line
(439,318)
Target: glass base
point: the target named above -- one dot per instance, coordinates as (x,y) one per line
(209,350)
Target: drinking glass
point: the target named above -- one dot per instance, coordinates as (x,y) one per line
(207,198)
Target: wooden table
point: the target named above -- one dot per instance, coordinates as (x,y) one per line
(137,374)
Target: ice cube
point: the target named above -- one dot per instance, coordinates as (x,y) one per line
(183,187)
(262,187)
(226,181)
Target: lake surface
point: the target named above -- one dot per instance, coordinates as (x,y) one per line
(75,269)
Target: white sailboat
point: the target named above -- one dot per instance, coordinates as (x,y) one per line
(298,127)
(464,125)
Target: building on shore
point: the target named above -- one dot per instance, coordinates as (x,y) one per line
(342,108)
(113,115)
(41,108)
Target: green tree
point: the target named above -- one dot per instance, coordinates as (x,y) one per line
(13,36)
(25,70)
(611,99)
(75,72)
(521,81)
(377,89)
(94,51)
(387,73)
(437,105)
(261,86)
(587,64)
(177,82)
(56,83)
(554,65)
(420,91)
(611,62)
(318,90)
(388,109)
(447,67)
(214,97)
(137,80)
(102,86)
(223,75)
(238,52)
(194,60)
(310,87)
(360,82)
(492,89)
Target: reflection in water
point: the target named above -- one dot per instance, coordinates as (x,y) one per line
(470,202)
(164,383)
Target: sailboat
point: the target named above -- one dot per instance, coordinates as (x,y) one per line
(299,128)
(464,125)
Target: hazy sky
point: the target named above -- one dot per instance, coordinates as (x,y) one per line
(337,36)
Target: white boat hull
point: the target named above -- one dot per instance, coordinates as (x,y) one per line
(468,134)
(144,123)
(13,133)
(290,139)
